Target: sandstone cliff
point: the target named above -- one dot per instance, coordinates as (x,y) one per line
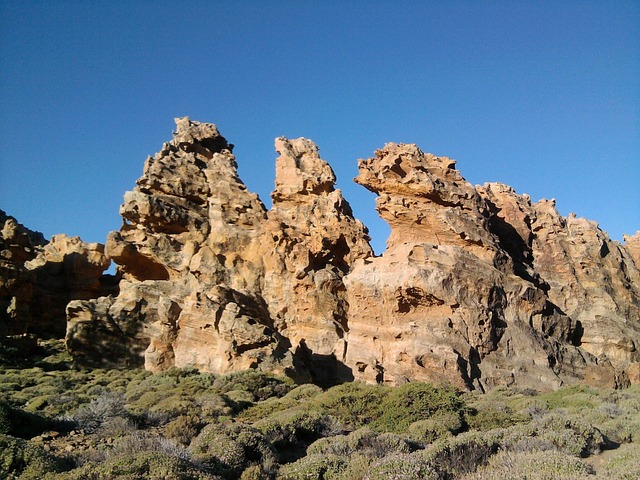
(479,286)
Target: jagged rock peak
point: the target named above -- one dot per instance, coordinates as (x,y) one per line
(300,170)
(203,138)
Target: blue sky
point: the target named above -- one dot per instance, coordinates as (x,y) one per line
(543,96)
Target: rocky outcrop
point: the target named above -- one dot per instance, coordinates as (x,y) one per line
(65,269)
(479,286)
(589,277)
(213,281)
(189,255)
(17,245)
(310,241)
(445,301)
(38,278)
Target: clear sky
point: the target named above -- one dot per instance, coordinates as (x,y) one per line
(541,95)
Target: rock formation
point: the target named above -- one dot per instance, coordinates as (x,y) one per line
(309,242)
(17,245)
(65,269)
(38,278)
(479,286)
(445,300)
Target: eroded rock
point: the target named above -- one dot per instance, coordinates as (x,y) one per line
(478,286)
(38,278)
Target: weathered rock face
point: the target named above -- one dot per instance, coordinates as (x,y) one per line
(590,278)
(65,269)
(38,278)
(213,281)
(478,286)
(445,301)
(17,245)
(311,239)
(190,258)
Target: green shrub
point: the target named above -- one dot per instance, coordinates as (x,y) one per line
(299,395)
(623,464)
(229,449)
(573,398)
(415,401)
(140,466)
(256,472)
(622,429)
(5,417)
(364,441)
(314,466)
(402,467)
(441,424)
(19,458)
(259,384)
(533,466)
(295,426)
(494,415)
(213,406)
(354,404)
(239,400)
(183,428)
(570,434)
(461,454)
(219,454)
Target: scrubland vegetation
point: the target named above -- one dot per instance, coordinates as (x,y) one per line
(57,422)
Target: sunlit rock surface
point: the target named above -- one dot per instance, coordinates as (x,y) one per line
(478,286)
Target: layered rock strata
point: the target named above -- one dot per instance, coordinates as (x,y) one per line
(479,286)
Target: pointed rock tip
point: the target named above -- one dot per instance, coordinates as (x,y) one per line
(206,134)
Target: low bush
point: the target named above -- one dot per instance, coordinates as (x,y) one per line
(138,466)
(314,466)
(439,425)
(414,401)
(183,428)
(402,467)
(462,454)
(96,413)
(623,463)
(20,459)
(364,442)
(492,415)
(229,449)
(354,404)
(533,466)
(259,384)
